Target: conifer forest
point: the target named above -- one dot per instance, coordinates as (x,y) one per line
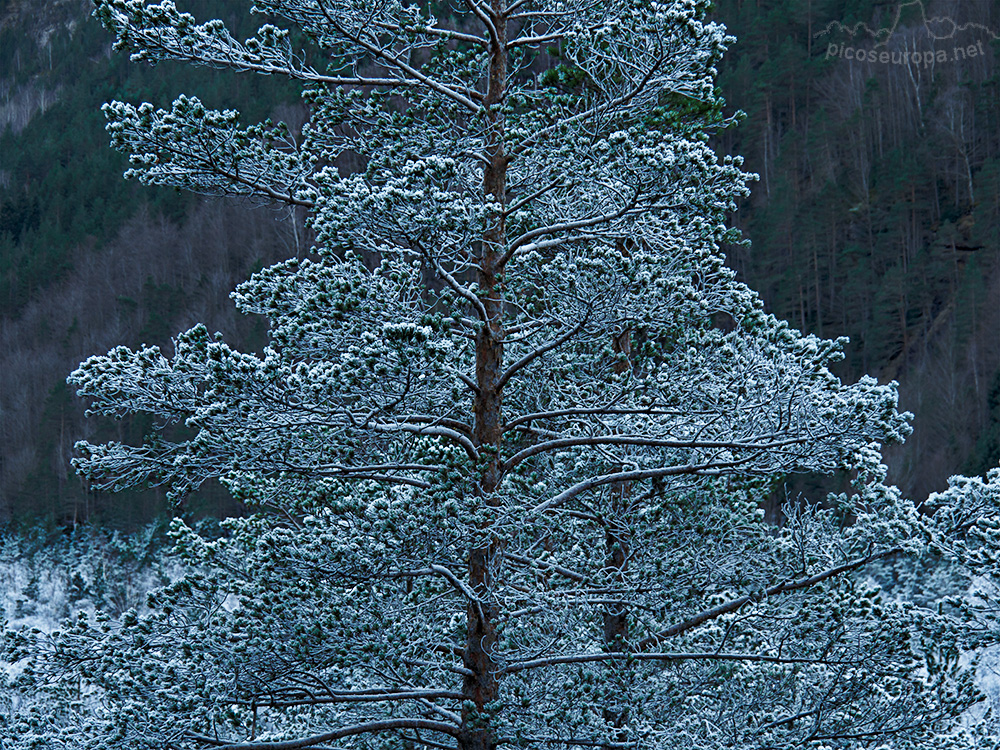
(472,374)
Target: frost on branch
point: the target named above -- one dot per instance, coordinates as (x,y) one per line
(206,151)
(509,438)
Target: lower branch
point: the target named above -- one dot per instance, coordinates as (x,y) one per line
(670,657)
(781,588)
(369,728)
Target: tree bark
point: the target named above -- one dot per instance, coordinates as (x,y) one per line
(616,552)
(480,687)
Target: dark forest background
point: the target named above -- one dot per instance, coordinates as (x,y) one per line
(876,216)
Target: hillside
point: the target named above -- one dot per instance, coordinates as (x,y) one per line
(876,217)
(89,261)
(878,207)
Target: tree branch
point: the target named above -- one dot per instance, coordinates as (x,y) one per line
(781,588)
(454,435)
(620,101)
(628,476)
(644,441)
(454,581)
(568,226)
(597,410)
(667,657)
(369,728)
(571,574)
(353,697)
(394,61)
(459,289)
(533,355)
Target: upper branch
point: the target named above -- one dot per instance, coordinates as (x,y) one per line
(636,475)
(394,61)
(599,109)
(648,442)
(484,14)
(533,355)
(568,226)
(369,696)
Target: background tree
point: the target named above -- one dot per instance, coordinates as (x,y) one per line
(879,222)
(509,433)
(89,261)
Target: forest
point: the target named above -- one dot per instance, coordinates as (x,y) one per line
(875,217)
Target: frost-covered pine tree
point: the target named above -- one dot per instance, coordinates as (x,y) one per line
(510,434)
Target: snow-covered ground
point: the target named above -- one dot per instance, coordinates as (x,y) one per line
(46,577)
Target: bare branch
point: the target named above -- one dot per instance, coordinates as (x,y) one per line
(591,411)
(394,61)
(366,696)
(555,445)
(631,476)
(571,574)
(530,357)
(453,435)
(569,226)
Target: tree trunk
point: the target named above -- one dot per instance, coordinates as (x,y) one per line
(616,552)
(480,687)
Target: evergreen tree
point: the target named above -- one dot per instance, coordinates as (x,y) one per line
(509,434)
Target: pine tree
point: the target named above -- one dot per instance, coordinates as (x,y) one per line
(508,441)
